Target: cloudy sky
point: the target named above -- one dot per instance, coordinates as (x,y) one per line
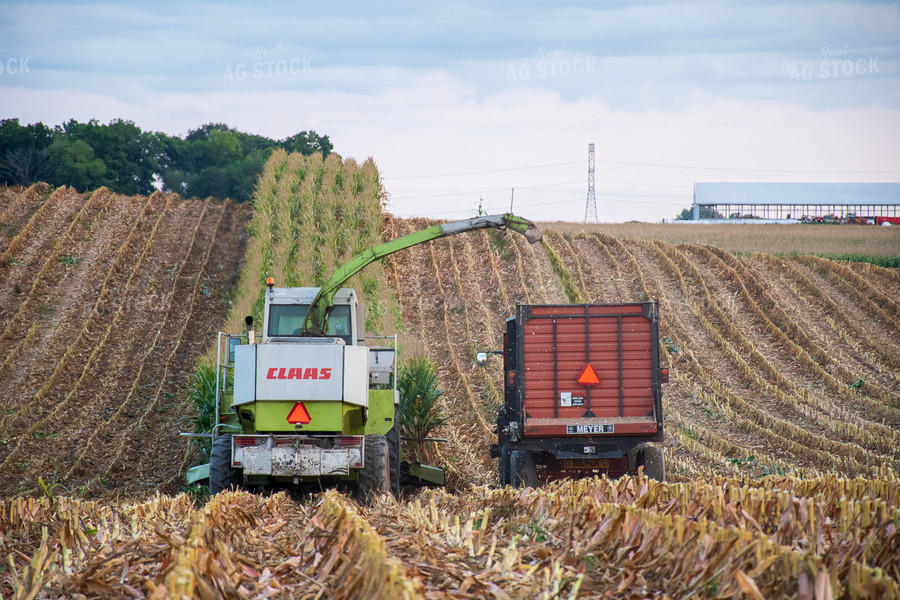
(460,103)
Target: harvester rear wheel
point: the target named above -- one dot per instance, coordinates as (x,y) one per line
(522,469)
(393,441)
(222,476)
(374,477)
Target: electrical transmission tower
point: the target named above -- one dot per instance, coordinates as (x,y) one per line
(590,208)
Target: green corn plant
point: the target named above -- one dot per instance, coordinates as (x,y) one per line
(202,394)
(418,412)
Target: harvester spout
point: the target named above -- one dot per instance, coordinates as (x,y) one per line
(314,324)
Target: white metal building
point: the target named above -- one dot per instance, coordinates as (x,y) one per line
(778,201)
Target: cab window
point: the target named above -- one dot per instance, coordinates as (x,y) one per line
(286,320)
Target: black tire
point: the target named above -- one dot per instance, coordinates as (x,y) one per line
(222,476)
(393,442)
(503,465)
(522,469)
(374,478)
(654,463)
(636,458)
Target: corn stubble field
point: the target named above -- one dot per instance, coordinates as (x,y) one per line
(782,416)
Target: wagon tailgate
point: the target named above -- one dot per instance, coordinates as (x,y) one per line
(617,341)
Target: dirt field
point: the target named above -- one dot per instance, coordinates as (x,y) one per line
(107,302)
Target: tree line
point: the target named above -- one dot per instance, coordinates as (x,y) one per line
(213,160)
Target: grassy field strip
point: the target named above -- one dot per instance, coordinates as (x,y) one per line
(574,287)
(43,276)
(149,408)
(126,401)
(570,287)
(64,364)
(97,346)
(859,241)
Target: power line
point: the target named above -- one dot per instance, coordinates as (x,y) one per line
(561,164)
(640,164)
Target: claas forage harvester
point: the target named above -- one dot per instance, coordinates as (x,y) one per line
(310,401)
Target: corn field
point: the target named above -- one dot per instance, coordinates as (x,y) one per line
(782,415)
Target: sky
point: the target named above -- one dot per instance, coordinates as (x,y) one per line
(491,105)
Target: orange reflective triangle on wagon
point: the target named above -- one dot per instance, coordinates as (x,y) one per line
(588,376)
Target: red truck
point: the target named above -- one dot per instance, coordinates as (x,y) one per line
(582,393)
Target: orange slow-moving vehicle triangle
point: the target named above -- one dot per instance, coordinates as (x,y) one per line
(299,414)
(588,376)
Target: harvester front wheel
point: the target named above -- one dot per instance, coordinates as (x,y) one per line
(222,476)
(522,469)
(374,477)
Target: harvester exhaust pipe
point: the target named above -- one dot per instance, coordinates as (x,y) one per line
(251,335)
